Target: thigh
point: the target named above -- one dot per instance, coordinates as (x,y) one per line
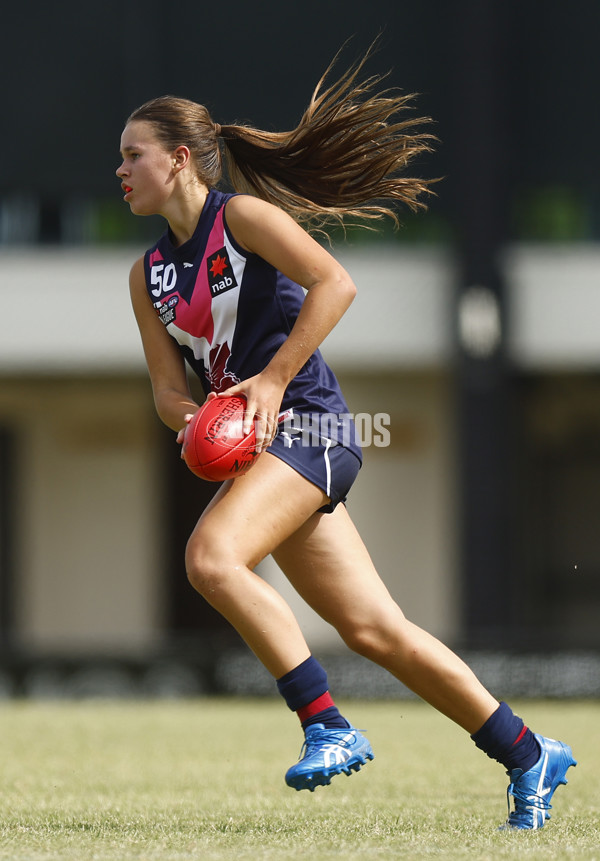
(329,566)
(331,467)
(254,513)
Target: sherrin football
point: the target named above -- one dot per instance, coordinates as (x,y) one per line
(214,445)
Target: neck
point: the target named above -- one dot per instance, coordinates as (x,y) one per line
(183,217)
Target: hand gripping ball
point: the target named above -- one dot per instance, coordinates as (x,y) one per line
(214,445)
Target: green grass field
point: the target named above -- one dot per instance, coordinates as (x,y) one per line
(203,779)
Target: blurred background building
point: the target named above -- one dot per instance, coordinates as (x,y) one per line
(476,327)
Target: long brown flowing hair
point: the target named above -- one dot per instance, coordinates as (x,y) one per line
(345,159)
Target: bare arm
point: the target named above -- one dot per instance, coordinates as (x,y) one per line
(267,231)
(165,363)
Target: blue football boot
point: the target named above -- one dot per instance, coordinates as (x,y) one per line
(532,790)
(325,753)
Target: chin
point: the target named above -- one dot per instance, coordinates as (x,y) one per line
(139,210)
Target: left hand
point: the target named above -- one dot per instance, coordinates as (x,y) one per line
(263,402)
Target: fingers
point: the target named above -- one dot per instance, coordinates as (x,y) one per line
(187,418)
(252,418)
(263,401)
(264,432)
(265,427)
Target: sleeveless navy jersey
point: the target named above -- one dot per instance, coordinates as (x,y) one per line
(230,311)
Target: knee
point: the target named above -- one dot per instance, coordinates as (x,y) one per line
(367,641)
(375,641)
(205,565)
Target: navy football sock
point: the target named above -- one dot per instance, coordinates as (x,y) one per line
(306,691)
(319,712)
(505,738)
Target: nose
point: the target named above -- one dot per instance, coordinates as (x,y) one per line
(120,171)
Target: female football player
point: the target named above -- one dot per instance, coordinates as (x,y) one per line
(242,292)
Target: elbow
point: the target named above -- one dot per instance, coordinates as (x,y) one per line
(171,407)
(164,414)
(349,290)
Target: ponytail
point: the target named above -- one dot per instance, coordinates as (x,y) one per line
(346,157)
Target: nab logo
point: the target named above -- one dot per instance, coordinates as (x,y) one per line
(220,273)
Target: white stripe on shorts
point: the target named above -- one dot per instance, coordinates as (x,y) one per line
(327,443)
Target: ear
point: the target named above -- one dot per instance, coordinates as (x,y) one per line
(181,157)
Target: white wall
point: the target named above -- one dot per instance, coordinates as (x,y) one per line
(554,305)
(68,310)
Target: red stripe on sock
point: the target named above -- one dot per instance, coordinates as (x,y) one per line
(520,736)
(320,704)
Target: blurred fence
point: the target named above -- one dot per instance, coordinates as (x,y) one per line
(236,672)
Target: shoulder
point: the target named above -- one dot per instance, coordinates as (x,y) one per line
(247,206)
(137,274)
(137,280)
(250,218)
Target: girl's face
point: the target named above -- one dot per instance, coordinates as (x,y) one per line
(147,171)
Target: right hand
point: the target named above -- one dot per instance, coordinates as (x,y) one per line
(187,419)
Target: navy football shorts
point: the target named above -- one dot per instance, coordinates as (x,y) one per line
(330,466)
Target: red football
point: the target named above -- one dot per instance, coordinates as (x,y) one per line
(214,445)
